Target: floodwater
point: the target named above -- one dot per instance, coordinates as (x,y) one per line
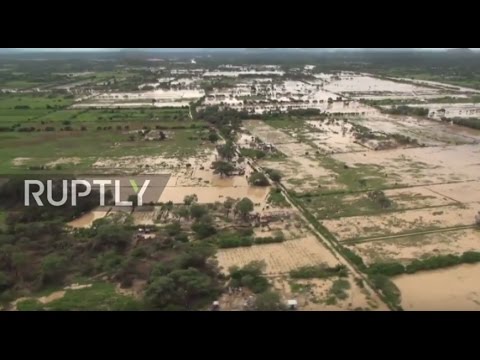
(428,291)
(85,221)
(422,166)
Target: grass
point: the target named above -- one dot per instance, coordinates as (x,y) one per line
(318,272)
(100,297)
(338,291)
(331,206)
(3,217)
(276,199)
(10,101)
(89,145)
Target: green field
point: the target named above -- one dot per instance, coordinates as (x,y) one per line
(43,147)
(3,216)
(10,101)
(18,84)
(100,297)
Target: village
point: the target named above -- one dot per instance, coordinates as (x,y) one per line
(312,189)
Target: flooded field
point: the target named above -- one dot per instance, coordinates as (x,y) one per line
(422,166)
(300,169)
(364,85)
(279,258)
(454,289)
(356,227)
(425,131)
(409,248)
(87,220)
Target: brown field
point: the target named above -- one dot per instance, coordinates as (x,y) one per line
(279,258)
(454,289)
(422,166)
(408,248)
(355,227)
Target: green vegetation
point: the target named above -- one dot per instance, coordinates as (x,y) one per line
(276,199)
(319,272)
(473,123)
(244,207)
(425,264)
(338,291)
(253,153)
(258,179)
(406,110)
(100,296)
(249,276)
(269,301)
(388,289)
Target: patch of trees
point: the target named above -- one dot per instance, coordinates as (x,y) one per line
(258,179)
(187,282)
(379,198)
(223,168)
(473,123)
(319,272)
(12,197)
(407,110)
(275,175)
(21,107)
(253,153)
(429,263)
(249,276)
(388,289)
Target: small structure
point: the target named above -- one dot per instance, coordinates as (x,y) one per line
(292,304)
(215,306)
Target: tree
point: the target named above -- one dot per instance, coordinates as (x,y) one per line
(227,151)
(190,199)
(197,211)
(4,282)
(53,268)
(213,137)
(112,235)
(258,179)
(244,207)
(228,204)
(203,229)
(275,175)
(161,292)
(269,301)
(223,168)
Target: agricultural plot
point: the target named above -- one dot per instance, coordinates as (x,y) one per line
(280,258)
(421,166)
(93,147)
(405,249)
(410,221)
(366,86)
(426,132)
(335,206)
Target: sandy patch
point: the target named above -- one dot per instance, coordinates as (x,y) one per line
(20,161)
(52,297)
